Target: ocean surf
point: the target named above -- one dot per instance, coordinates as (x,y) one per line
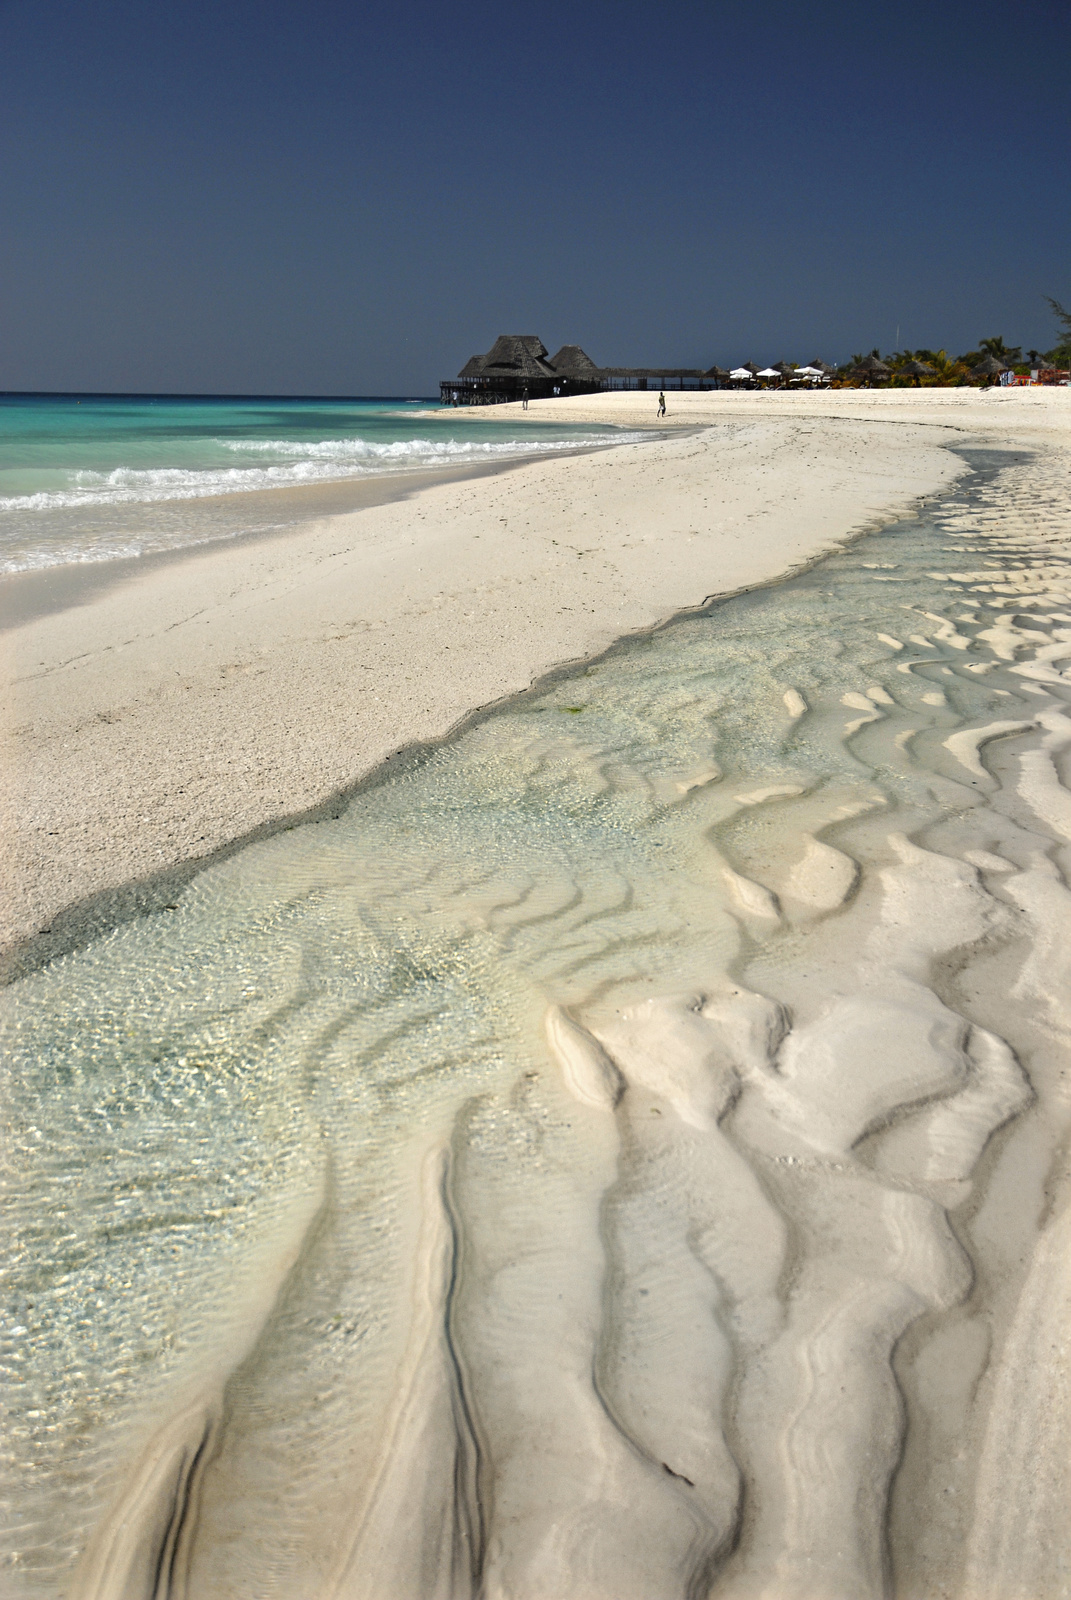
(99,478)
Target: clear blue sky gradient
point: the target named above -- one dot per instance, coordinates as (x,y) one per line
(351,198)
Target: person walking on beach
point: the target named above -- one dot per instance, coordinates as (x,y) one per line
(661,402)
(524,399)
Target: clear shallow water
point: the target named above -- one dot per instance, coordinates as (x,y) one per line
(96,478)
(605,1160)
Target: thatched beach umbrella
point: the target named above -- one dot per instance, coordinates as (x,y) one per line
(870,368)
(990,368)
(917,370)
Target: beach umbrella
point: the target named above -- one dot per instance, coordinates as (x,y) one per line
(807,372)
(917,370)
(989,368)
(740,374)
(769,372)
(870,368)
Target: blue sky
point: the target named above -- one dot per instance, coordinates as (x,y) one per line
(251,196)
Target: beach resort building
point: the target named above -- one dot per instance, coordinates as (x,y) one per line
(517,365)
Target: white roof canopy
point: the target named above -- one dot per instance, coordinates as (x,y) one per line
(808,372)
(741,372)
(769,372)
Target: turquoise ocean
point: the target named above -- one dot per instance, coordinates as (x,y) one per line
(90,478)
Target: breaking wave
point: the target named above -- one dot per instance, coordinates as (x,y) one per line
(297,463)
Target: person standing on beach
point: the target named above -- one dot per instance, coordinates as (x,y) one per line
(661,402)
(524,399)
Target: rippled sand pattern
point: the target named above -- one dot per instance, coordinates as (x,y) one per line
(622,1157)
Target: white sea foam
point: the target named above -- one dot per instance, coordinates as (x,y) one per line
(299,463)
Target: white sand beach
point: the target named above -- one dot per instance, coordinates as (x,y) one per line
(186,707)
(624,1156)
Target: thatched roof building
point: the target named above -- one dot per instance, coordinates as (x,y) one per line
(517,356)
(517,366)
(572,362)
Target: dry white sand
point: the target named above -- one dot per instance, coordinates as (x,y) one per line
(214,695)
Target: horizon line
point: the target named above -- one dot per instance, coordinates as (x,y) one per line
(184,394)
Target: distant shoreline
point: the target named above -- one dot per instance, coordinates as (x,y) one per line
(164,394)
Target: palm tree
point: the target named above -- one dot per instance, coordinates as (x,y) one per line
(1062,351)
(1061,313)
(997,347)
(947,369)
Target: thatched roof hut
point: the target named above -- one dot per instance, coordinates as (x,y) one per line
(513,355)
(517,355)
(516,366)
(870,370)
(989,369)
(917,369)
(873,367)
(572,362)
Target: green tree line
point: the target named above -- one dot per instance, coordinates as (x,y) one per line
(958,369)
